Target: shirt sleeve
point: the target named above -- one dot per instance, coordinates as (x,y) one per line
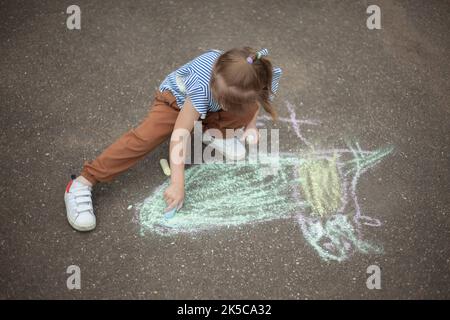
(276,75)
(196,93)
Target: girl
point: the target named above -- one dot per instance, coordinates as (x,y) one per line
(224,89)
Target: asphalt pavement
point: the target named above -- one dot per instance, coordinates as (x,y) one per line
(65,95)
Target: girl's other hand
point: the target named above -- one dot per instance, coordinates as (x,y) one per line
(174,196)
(251,135)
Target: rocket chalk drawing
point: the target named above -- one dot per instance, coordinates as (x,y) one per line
(318,190)
(316,187)
(170,214)
(165,166)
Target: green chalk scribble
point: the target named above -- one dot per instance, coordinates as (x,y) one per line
(224,195)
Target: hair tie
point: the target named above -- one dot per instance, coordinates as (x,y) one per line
(262,53)
(259,54)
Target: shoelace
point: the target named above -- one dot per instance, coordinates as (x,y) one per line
(83,199)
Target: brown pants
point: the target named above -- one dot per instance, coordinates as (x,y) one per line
(153,130)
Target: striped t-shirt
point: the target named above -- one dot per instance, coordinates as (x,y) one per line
(192,80)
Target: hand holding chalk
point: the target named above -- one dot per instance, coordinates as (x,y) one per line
(170,214)
(174,196)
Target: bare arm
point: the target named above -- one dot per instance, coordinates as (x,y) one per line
(174,194)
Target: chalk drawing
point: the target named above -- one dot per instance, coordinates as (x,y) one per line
(321,186)
(336,232)
(292,121)
(315,188)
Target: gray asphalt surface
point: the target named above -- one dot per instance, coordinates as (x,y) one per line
(65,95)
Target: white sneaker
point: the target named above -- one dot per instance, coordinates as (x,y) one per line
(80,212)
(231,148)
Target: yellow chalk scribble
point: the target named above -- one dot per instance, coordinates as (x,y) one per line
(321,186)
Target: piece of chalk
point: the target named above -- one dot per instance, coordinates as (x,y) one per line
(165,166)
(170,214)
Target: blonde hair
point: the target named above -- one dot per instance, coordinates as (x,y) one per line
(244,83)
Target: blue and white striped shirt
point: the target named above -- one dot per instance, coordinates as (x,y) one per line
(192,80)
